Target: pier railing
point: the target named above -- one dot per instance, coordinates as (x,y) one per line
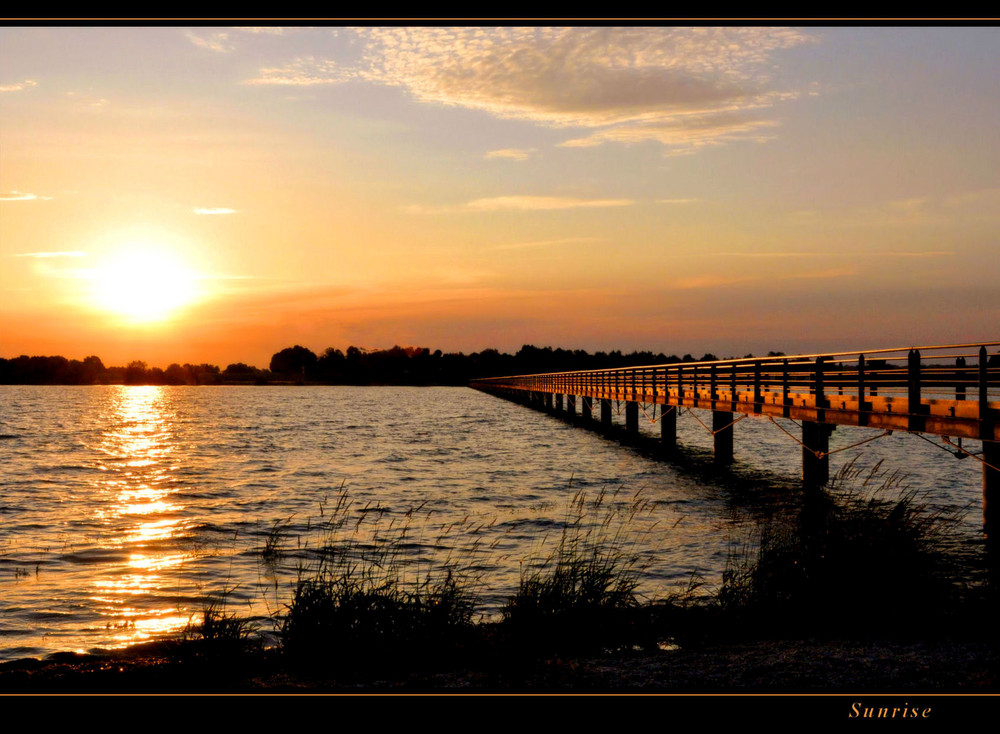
(949,390)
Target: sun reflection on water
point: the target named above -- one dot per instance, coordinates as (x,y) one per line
(141,515)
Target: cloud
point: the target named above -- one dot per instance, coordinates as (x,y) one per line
(218,42)
(545,243)
(838,254)
(226,277)
(303,72)
(678,201)
(685,132)
(17,87)
(989,198)
(87,100)
(217,210)
(517,154)
(713,281)
(68,253)
(919,254)
(22,196)
(535,203)
(518,203)
(682,87)
(272,30)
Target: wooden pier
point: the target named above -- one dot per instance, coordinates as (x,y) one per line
(951,391)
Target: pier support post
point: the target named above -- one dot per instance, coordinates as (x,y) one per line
(722,424)
(559,403)
(815,469)
(991,489)
(571,405)
(668,427)
(605,414)
(632,418)
(585,407)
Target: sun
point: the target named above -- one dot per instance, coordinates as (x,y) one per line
(143,284)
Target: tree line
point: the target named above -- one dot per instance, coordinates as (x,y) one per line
(357,366)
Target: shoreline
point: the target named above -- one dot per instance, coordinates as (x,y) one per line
(806,666)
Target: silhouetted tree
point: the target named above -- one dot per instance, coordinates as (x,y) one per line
(297,362)
(177,375)
(135,372)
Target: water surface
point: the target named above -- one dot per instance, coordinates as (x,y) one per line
(123,508)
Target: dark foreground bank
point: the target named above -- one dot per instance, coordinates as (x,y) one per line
(763,666)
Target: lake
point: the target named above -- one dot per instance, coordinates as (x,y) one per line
(122,509)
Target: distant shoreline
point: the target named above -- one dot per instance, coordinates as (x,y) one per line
(410,366)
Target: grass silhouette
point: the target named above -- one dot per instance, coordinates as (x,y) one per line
(862,556)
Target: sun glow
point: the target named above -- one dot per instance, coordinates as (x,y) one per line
(144,285)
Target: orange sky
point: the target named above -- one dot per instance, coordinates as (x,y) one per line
(217,194)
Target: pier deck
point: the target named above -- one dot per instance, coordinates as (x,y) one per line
(952,391)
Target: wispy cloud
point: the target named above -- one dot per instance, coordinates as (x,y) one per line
(678,201)
(838,254)
(712,281)
(918,254)
(773,255)
(917,211)
(87,100)
(518,203)
(517,154)
(304,72)
(212,211)
(925,211)
(988,198)
(534,203)
(22,196)
(683,87)
(218,41)
(271,30)
(17,87)
(545,243)
(722,281)
(67,253)
(685,133)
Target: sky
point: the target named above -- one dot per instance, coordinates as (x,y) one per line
(216,194)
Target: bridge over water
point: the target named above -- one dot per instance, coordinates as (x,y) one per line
(949,391)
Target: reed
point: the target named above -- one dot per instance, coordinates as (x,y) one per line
(273,550)
(223,633)
(584,596)
(362,603)
(861,557)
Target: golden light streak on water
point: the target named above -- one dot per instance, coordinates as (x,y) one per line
(133,629)
(157,563)
(147,508)
(159,530)
(113,591)
(140,514)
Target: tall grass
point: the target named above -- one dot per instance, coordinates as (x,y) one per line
(862,556)
(222,633)
(859,557)
(583,597)
(363,602)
